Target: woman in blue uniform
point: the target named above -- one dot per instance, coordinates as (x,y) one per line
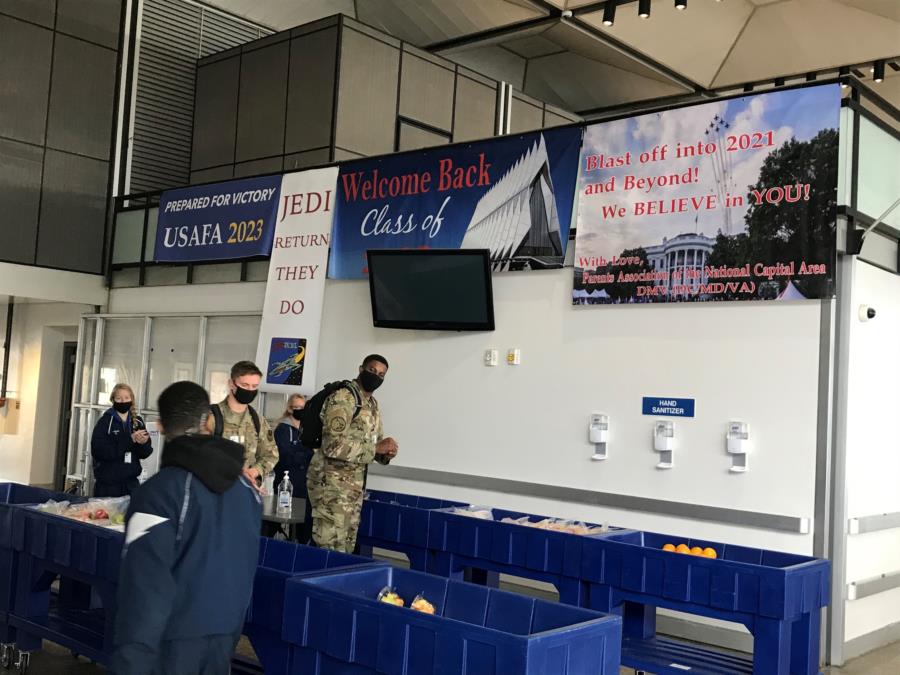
(294,458)
(119,442)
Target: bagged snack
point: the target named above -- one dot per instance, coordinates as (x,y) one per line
(420,604)
(389,596)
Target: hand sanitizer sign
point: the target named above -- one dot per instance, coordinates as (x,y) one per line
(668,406)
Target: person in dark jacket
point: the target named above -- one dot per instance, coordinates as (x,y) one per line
(294,457)
(191,549)
(119,442)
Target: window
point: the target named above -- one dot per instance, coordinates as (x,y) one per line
(174,344)
(123,341)
(229,339)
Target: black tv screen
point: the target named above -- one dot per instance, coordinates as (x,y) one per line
(431,289)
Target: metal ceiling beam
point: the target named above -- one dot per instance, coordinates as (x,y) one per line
(492,35)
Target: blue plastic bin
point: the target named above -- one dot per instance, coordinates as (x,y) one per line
(278,562)
(51,546)
(777,596)
(458,542)
(336,625)
(399,522)
(12,494)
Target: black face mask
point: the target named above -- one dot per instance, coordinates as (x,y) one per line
(122,408)
(297,414)
(244,396)
(370,381)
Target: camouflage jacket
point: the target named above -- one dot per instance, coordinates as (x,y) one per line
(260,451)
(346,438)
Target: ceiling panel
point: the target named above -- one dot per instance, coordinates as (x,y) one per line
(583,43)
(532,47)
(889,9)
(284,14)
(833,34)
(425,22)
(693,42)
(578,83)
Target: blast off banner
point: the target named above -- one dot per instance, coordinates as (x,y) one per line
(728,200)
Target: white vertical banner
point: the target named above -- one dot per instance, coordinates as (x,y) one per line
(292,314)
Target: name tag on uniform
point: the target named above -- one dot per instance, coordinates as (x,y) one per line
(128,458)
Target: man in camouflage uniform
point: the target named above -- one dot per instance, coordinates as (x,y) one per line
(260,450)
(351,441)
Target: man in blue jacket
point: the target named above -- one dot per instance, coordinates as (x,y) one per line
(191,547)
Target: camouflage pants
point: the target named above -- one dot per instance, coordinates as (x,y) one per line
(336,493)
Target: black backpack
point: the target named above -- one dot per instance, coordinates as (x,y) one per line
(311,422)
(220,421)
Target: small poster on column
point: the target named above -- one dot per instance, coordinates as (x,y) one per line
(292,314)
(727,200)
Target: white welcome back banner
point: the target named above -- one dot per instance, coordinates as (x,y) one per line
(288,347)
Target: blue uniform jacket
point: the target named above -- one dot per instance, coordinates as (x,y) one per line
(190,555)
(110,443)
(293,457)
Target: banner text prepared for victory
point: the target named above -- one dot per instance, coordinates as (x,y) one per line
(223,199)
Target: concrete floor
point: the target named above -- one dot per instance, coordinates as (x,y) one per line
(55,661)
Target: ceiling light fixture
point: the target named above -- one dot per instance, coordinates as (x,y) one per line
(680,4)
(878,71)
(609,12)
(644,9)
(843,73)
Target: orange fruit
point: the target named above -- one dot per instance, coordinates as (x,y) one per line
(696,551)
(682,548)
(710,553)
(669,547)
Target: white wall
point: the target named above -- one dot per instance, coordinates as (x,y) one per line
(40,283)
(873,443)
(753,362)
(748,361)
(39,331)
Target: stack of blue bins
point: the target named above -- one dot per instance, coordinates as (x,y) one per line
(15,494)
(337,626)
(458,542)
(85,558)
(777,596)
(278,562)
(399,522)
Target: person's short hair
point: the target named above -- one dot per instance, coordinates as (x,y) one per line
(183,407)
(242,368)
(375,357)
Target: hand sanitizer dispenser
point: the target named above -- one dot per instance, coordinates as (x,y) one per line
(598,433)
(737,443)
(664,443)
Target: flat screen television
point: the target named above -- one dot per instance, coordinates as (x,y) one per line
(433,289)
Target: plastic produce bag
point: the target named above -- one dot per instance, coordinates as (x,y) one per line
(482,512)
(52,506)
(102,512)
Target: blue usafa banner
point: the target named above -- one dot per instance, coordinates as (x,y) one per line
(511,195)
(222,221)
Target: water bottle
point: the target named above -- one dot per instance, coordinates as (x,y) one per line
(285,495)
